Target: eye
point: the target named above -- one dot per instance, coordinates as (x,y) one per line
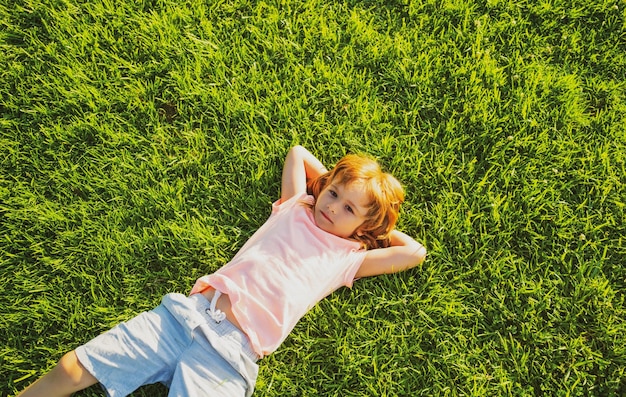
(333,193)
(349,209)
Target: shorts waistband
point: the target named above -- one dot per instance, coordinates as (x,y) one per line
(223,327)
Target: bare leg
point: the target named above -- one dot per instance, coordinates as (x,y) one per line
(67,377)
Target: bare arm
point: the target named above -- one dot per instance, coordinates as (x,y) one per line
(404,253)
(300,165)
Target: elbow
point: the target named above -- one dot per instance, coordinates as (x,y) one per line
(424,252)
(298,150)
(419,254)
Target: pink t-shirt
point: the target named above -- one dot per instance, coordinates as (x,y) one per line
(282,271)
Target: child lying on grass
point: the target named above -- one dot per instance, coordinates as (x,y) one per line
(327,229)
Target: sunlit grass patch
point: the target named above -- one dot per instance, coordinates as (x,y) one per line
(142,144)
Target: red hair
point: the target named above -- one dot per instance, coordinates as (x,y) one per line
(383,190)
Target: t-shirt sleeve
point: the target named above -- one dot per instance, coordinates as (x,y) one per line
(357,256)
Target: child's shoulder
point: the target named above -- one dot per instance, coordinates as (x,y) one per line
(295,200)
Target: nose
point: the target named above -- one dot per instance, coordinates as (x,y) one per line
(331,208)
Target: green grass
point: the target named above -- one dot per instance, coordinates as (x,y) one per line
(141,144)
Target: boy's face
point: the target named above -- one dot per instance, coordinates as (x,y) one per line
(341,209)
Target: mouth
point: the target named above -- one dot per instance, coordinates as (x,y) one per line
(326,216)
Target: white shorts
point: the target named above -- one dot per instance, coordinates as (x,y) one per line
(178,344)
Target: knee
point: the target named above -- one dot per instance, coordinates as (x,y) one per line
(70,372)
(67,377)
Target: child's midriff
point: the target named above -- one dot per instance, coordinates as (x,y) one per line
(223,304)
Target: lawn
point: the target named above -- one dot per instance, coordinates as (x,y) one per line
(141,144)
